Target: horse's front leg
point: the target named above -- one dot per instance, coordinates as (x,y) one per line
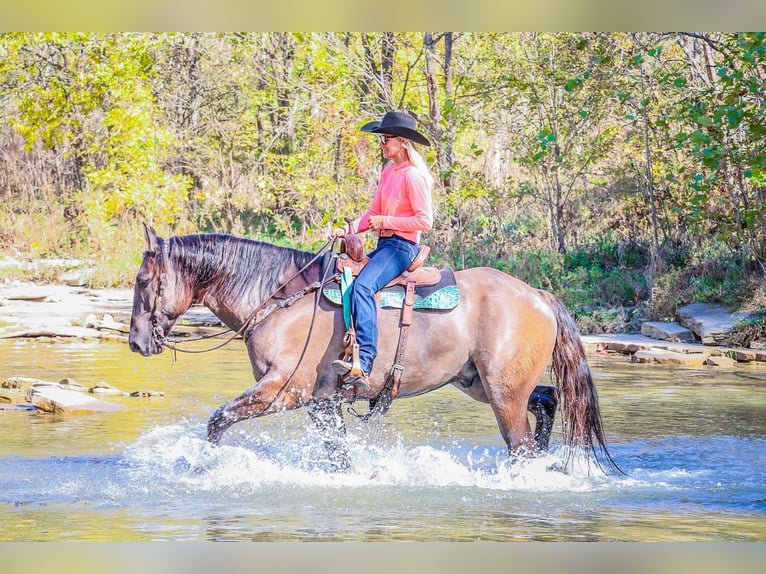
(328,418)
(268,396)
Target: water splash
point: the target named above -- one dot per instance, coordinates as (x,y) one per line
(180,456)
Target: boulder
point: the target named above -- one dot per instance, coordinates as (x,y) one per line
(711,323)
(666,331)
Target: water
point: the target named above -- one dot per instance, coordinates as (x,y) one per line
(692,442)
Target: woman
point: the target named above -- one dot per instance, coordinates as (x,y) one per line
(400,211)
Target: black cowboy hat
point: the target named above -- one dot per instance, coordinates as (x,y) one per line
(397,124)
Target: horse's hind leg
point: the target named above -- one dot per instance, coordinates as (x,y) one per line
(508,383)
(514,424)
(328,418)
(542,404)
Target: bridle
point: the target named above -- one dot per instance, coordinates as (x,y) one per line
(158,334)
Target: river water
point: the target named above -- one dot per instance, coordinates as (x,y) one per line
(692,442)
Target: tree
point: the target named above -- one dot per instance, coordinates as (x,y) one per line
(726,133)
(90,97)
(561,129)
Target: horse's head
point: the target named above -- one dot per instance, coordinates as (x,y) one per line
(155,298)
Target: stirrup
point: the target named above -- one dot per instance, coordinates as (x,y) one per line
(361,380)
(356,364)
(341,367)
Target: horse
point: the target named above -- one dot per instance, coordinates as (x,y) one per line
(494,346)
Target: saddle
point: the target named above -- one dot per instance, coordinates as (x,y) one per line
(352,256)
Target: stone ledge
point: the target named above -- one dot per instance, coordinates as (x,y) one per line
(667,332)
(630,344)
(665,357)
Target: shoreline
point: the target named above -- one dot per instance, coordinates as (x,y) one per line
(30,310)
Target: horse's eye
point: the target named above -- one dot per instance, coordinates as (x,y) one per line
(143,282)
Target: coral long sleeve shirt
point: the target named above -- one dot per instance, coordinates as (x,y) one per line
(403,198)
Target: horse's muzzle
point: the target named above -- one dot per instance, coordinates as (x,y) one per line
(146,346)
(138,349)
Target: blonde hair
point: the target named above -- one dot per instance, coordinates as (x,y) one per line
(419,162)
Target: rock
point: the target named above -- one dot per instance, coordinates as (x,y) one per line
(147,394)
(711,323)
(76,277)
(54,399)
(667,332)
(62,331)
(107,323)
(720,361)
(758,345)
(664,357)
(19,382)
(106,389)
(622,347)
(71,384)
(744,356)
(33,297)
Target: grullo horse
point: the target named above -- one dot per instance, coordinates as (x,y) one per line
(495,345)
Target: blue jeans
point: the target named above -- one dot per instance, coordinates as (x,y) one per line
(392,256)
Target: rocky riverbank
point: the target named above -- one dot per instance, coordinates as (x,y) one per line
(62,312)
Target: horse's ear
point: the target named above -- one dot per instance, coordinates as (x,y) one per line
(152,244)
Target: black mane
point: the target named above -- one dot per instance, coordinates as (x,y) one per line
(233,266)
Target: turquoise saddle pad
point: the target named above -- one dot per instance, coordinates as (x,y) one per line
(444,295)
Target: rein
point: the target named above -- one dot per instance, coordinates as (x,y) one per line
(260,313)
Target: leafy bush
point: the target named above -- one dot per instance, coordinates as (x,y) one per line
(748,330)
(719,280)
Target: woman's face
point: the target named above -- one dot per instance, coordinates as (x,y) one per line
(392,146)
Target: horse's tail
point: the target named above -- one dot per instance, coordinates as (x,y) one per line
(579,409)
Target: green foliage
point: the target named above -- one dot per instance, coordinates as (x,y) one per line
(725,134)
(605,274)
(564,156)
(749,330)
(721,280)
(90,97)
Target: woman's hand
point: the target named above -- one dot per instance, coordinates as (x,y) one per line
(376,222)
